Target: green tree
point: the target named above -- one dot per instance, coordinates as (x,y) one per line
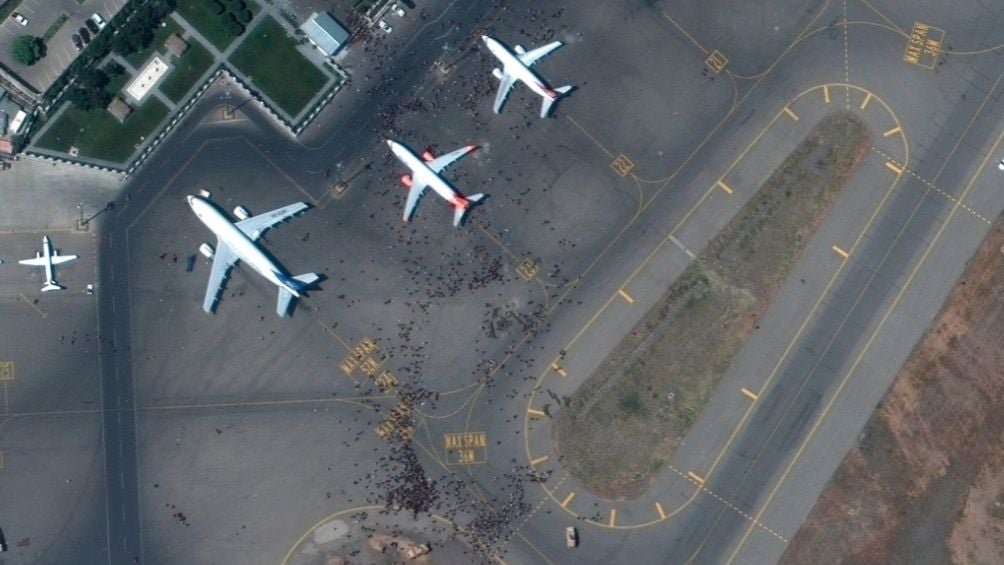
(27,50)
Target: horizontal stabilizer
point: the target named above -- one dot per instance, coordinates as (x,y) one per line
(50,286)
(307,279)
(545,108)
(300,283)
(459,213)
(285,297)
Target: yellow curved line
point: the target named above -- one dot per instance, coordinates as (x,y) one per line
(738,159)
(977,52)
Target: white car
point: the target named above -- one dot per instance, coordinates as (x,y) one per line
(98,20)
(1001,165)
(19,18)
(385,26)
(397,9)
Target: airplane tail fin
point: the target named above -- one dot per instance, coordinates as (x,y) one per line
(545,107)
(460,212)
(50,286)
(299,283)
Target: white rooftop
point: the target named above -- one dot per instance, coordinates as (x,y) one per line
(148,76)
(323,31)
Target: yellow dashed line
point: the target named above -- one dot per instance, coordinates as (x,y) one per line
(625,296)
(932,186)
(892,131)
(662,513)
(868,98)
(613,517)
(564,503)
(696,478)
(839,251)
(539,460)
(791,113)
(826,93)
(535,413)
(893,167)
(721,184)
(32,304)
(752,395)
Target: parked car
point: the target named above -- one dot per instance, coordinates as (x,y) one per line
(77,42)
(397,9)
(92,26)
(98,21)
(19,18)
(385,26)
(84,35)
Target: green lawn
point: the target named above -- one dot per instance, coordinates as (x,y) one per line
(268,57)
(192,65)
(201,14)
(160,36)
(100,136)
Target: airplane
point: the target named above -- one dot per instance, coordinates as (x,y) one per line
(516,66)
(235,241)
(425,173)
(47,258)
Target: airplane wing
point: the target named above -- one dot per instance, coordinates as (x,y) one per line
(254,227)
(505,85)
(414,193)
(57,259)
(222,261)
(36,262)
(443,161)
(531,57)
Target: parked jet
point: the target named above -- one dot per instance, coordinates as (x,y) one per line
(425,173)
(47,258)
(516,66)
(235,241)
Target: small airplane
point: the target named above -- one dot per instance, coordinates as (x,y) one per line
(516,66)
(47,258)
(425,173)
(235,241)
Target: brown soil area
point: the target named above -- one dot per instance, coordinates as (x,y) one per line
(625,421)
(926,483)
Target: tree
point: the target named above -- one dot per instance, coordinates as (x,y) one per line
(27,50)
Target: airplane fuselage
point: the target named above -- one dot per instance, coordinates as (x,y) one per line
(519,71)
(240,243)
(47,253)
(421,171)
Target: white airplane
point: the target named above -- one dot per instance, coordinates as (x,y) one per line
(235,241)
(516,66)
(47,258)
(425,173)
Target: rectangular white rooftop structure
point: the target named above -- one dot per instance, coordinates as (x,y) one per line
(325,33)
(148,76)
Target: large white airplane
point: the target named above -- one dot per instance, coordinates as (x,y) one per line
(516,65)
(235,241)
(47,258)
(425,173)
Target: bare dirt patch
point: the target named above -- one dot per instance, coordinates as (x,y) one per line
(926,483)
(625,421)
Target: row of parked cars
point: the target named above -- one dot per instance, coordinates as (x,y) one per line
(92,26)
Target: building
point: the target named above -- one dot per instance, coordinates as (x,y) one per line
(119,108)
(176,45)
(325,33)
(146,79)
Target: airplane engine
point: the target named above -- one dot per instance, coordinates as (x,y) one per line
(428,156)
(204,193)
(242,213)
(406,180)
(497,73)
(207,250)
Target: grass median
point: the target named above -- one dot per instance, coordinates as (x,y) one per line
(624,423)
